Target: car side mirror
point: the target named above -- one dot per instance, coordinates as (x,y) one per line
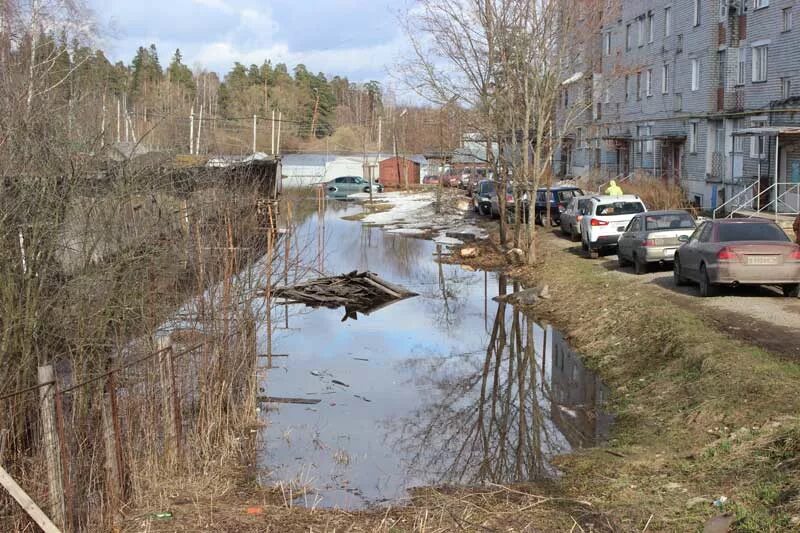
(683,238)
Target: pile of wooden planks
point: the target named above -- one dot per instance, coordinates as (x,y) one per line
(357,292)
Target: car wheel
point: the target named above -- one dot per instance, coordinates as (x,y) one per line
(676,273)
(707,289)
(484,210)
(639,266)
(593,253)
(791,291)
(537,219)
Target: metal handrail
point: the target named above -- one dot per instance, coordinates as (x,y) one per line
(734,198)
(774,203)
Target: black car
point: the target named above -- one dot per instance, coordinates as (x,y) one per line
(482,197)
(559,199)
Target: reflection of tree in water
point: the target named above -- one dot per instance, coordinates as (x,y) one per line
(486,421)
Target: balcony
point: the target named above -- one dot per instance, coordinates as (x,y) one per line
(729,100)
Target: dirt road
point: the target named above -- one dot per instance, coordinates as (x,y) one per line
(759,315)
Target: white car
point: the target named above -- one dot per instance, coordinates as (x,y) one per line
(606,219)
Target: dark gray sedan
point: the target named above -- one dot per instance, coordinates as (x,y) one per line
(731,252)
(653,237)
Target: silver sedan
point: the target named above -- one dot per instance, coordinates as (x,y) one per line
(653,237)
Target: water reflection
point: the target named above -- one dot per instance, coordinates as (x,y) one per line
(446,387)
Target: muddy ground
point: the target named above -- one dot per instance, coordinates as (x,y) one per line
(707,430)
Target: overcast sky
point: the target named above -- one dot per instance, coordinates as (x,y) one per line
(360,39)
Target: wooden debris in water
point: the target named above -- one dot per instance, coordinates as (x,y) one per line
(357,292)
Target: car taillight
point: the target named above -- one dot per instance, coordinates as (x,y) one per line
(509,198)
(561,208)
(726,254)
(795,256)
(649,242)
(596,222)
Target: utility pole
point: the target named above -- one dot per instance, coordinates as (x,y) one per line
(199,129)
(191,132)
(272,131)
(119,137)
(314,116)
(103,123)
(280,122)
(255,123)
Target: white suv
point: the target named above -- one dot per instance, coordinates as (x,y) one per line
(606,219)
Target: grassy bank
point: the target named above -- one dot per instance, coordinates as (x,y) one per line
(699,415)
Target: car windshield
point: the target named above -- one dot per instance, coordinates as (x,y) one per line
(619,208)
(488,187)
(669,221)
(752,231)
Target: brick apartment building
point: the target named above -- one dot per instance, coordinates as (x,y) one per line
(703,92)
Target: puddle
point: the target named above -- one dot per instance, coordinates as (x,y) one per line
(411,395)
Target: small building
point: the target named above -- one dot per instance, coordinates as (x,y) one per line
(394,172)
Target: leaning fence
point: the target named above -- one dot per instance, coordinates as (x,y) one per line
(128,311)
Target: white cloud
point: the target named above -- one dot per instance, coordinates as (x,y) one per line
(215,4)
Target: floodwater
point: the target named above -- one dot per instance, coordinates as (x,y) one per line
(446,387)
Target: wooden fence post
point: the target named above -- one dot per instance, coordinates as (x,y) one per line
(51,443)
(168,397)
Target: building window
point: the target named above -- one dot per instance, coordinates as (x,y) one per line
(607,94)
(692,137)
(638,85)
(607,43)
(628,38)
(738,140)
(627,87)
(786,87)
(696,17)
(760,63)
(648,82)
(667,21)
(758,4)
(695,74)
(664,79)
(678,102)
(640,30)
(758,142)
(787,19)
(649,142)
(650,26)
(679,45)
(741,65)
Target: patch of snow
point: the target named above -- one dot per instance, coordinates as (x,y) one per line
(447,241)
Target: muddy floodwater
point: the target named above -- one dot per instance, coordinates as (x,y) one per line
(446,387)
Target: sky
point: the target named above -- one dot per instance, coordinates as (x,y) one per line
(360,39)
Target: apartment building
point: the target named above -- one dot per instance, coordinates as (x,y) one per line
(703,92)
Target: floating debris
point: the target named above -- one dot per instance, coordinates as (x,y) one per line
(337,382)
(357,292)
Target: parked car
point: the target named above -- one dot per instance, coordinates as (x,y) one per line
(606,219)
(559,198)
(570,219)
(732,252)
(511,206)
(466,176)
(430,180)
(482,197)
(344,186)
(653,237)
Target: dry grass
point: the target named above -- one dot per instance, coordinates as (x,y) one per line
(656,193)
